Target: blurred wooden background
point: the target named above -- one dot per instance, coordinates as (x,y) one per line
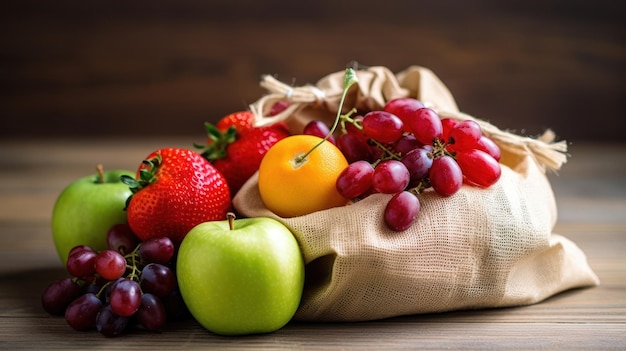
(85,69)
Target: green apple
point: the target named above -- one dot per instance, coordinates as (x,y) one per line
(241,276)
(86,209)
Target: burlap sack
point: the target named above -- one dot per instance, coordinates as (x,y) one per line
(480,248)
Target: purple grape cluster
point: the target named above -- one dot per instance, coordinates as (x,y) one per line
(130,284)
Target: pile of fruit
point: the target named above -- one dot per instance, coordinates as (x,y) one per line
(167,244)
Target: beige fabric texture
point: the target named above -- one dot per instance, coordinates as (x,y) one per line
(480,248)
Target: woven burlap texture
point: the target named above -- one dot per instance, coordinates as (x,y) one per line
(480,248)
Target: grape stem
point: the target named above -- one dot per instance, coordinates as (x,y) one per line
(381,146)
(134,269)
(421,186)
(349,79)
(99,293)
(439,149)
(134,273)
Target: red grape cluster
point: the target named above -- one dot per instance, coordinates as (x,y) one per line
(131,283)
(406,148)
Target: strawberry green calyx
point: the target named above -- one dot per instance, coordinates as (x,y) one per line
(218,142)
(147,175)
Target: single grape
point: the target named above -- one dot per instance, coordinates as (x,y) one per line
(110,324)
(382,126)
(418,162)
(401,211)
(110,264)
(58,295)
(157,250)
(157,279)
(125,297)
(81,313)
(355,179)
(151,313)
(319,129)
(406,143)
(426,125)
(81,263)
(465,135)
(278,107)
(353,148)
(445,175)
(121,238)
(403,107)
(390,177)
(111,285)
(479,167)
(489,146)
(79,248)
(447,124)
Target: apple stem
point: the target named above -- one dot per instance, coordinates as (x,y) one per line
(100,170)
(231,220)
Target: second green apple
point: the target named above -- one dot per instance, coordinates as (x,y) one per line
(241,276)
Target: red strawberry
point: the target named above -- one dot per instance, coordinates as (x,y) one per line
(237,154)
(242,121)
(175,189)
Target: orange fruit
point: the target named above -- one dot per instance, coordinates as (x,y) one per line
(290,188)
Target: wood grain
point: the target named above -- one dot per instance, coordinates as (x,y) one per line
(591,200)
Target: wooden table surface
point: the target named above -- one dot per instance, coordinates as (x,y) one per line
(592,212)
